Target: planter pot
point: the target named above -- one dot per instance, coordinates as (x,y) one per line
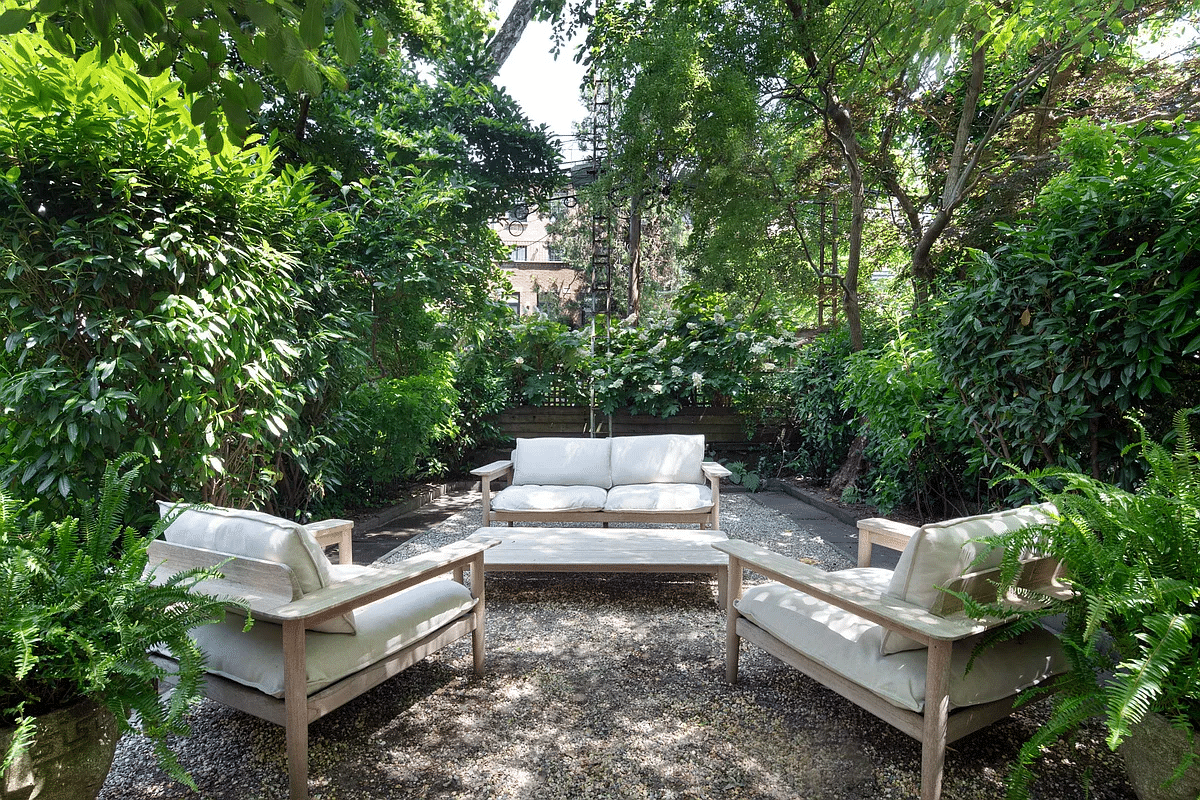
(1152,752)
(69,758)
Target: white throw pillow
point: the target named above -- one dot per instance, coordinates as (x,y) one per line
(561,461)
(665,458)
(253,534)
(942,551)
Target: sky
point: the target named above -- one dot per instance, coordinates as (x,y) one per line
(547,89)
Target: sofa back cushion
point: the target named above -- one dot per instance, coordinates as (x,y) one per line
(665,458)
(942,551)
(253,534)
(561,461)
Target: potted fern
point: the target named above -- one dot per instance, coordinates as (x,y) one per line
(1132,631)
(79,619)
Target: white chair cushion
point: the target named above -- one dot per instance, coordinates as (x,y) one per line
(255,658)
(659,497)
(850,646)
(253,534)
(559,461)
(666,458)
(942,551)
(549,498)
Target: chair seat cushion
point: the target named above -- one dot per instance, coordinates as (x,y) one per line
(549,498)
(556,460)
(255,657)
(659,497)
(850,646)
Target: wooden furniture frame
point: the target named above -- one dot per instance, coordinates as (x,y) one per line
(503,471)
(666,550)
(938,629)
(272,593)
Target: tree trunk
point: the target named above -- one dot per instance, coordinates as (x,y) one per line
(635,259)
(505,40)
(851,468)
(843,132)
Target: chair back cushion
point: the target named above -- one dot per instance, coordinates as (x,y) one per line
(253,534)
(561,461)
(942,551)
(665,458)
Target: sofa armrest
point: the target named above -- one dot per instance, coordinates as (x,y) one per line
(493,470)
(883,532)
(845,593)
(714,471)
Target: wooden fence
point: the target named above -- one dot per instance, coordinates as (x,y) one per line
(723,428)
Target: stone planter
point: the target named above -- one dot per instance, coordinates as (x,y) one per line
(69,758)
(1152,752)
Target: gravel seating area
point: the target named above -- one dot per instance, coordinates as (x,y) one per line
(606,686)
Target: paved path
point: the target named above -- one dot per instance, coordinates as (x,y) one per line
(839,531)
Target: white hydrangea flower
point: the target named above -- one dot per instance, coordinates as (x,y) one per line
(676,372)
(741,336)
(719,318)
(656,388)
(677,360)
(758,348)
(691,326)
(656,349)
(769,366)
(518,360)
(693,345)
(697,379)
(618,383)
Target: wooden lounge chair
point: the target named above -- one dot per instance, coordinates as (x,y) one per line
(323,634)
(891,641)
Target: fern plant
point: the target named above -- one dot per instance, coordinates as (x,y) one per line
(1131,632)
(80,617)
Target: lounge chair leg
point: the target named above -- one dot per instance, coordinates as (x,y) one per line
(937,717)
(295,696)
(733,642)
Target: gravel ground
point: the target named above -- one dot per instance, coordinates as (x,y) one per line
(606,686)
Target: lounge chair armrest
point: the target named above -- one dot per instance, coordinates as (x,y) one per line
(360,591)
(334,531)
(884,532)
(494,469)
(846,593)
(714,471)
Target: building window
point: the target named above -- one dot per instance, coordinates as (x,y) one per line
(513,301)
(520,253)
(554,253)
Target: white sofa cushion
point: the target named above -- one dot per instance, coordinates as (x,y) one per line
(549,498)
(942,551)
(659,497)
(560,461)
(255,657)
(665,458)
(850,646)
(253,534)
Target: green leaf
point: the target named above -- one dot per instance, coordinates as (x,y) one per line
(312,24)
(14,20)
(346,38)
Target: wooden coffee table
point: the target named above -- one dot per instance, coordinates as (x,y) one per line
(607,550)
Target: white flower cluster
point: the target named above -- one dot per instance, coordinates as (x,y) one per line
(758,348)
(719,318)
(656,388)
(697,379)
(676,371)
(518,361)
(617,384)
(741,336)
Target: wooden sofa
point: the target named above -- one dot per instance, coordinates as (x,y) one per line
(891,641)
(323,633)
(640,479)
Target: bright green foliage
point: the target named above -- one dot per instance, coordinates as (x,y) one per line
(823,426)
(1087,311)
(79,618)
(200,41)
(148,295)
(547,359)
(1132,631)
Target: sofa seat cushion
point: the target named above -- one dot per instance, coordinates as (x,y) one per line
(850,646)
(253,534)
(561,461)
(664,458)
(549,498)
(255,658)
(659,497)
(942,551)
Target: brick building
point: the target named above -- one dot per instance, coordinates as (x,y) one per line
(540,277)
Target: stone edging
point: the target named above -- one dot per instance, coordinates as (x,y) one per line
(832,510)
(421,497)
